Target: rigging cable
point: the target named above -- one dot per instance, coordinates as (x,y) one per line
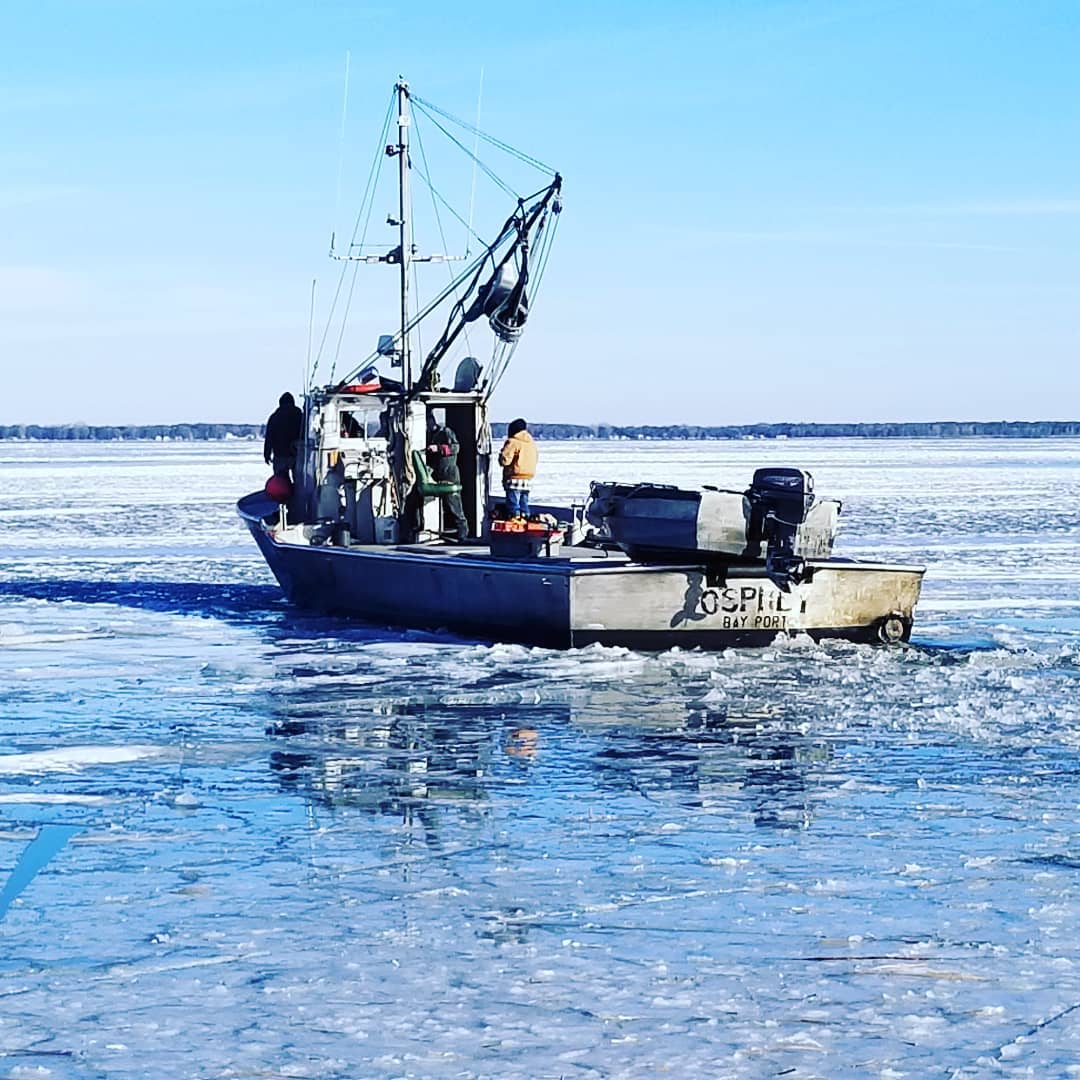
(545,235)
(329,320)
(503,351)
(511,231)
(376,167)
(473,130)
(475,267)
(465,150)
(344,319)
(545,242)
(423,174)
(537,214)
(345,265)
(501,355)
(438,222)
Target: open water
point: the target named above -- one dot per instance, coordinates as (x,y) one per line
(241,841)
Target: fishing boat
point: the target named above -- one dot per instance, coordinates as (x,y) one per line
(360,527)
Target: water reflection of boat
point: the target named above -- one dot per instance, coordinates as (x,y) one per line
(422,762)
(404,755)
(363,531)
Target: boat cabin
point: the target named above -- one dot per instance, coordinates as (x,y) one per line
(363,474)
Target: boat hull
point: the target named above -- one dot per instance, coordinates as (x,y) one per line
(713,609)
(596,597)
(396,587)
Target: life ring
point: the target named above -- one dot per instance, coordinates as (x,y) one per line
(361,388)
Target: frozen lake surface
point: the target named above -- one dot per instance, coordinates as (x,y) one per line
(240,841)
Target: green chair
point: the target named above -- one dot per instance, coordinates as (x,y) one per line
(425,485)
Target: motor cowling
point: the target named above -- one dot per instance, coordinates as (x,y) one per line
(780,499)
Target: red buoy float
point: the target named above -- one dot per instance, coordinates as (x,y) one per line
(279,489)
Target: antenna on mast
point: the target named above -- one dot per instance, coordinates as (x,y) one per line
(310,331)
(341,148)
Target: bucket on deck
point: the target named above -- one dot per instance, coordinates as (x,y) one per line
(386,530)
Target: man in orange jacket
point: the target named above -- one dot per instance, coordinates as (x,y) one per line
(518,460)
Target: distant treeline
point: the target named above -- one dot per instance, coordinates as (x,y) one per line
(182,432)
(943,429)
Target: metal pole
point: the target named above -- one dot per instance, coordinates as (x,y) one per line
(405,226)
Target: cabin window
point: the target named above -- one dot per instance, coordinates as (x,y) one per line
(352,426)
(362,424)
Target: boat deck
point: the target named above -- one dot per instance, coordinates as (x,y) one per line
(568,556)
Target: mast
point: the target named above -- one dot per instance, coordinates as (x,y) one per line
(531,213)
(404,226)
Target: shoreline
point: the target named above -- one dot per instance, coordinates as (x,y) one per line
(945,429)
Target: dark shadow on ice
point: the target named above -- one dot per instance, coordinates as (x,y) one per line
(261,605)
(991,633)
(963,646)
(172,597)
(1057,861)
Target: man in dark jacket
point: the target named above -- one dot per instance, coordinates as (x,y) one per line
(283,430)
(442,455)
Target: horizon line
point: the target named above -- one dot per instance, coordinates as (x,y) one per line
(572,424)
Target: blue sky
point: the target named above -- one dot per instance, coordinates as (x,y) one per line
(819,211)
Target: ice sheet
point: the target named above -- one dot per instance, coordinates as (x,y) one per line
(302,847)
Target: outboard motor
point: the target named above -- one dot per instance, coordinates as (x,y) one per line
(780,499)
